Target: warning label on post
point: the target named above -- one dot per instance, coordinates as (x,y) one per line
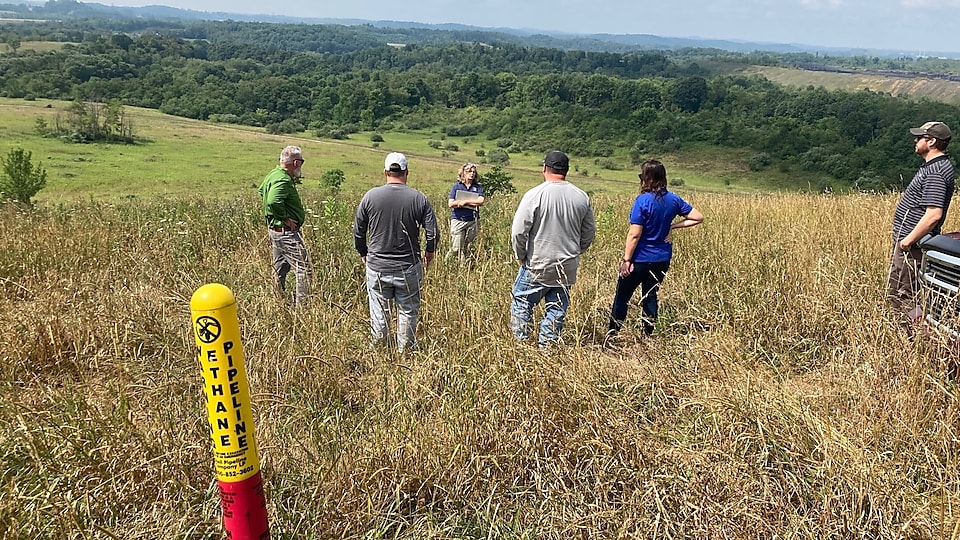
(220,357)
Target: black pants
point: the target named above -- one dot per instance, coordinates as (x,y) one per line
(647,276)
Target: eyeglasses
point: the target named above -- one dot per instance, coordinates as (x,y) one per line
(301,160)
(918,137)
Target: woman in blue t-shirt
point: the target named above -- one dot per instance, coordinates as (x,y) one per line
(648,249)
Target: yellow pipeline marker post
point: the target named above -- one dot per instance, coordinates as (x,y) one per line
(216,328)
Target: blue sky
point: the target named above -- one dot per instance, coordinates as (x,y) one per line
(910,26)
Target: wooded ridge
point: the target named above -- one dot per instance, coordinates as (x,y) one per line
(332,80)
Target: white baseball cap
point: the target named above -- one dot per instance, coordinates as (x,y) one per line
(395,162)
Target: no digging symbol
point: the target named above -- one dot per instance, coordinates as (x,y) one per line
(208,329)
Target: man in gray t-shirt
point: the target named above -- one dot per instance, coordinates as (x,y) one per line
(386,234)
(553,225)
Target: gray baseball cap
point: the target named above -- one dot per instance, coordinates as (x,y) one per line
(937,130)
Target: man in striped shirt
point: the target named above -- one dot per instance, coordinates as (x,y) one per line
(922,210)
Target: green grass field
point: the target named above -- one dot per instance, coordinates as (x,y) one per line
(39,46)
(778,399)
(181,157)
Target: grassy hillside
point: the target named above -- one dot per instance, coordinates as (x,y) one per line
(39,46)
(179,156)
(776,400)
(936,89)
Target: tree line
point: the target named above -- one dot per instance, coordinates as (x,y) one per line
(330,78)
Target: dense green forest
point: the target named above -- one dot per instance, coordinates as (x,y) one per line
(334,80)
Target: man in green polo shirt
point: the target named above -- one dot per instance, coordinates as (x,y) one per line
(284,215)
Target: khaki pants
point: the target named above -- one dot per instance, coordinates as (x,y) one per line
(462,234)
(290,254)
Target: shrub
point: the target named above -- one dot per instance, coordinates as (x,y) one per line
(640,150)
(461,131)
(94,122)
(451,146)
(376,137)
(497,181)
(21,180)
(602,150)
(672,143)
(286,126)
(434,144)
(759,161)
(253,119)
(498,156)
(609,164)
(414,123)
(676,182)
(870,182)
(333,179)
(229,118)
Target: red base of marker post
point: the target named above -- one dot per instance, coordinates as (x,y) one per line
(244,509)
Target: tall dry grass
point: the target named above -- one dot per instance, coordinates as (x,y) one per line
(778,399)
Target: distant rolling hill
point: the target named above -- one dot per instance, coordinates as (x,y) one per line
(938,89)
(586,42)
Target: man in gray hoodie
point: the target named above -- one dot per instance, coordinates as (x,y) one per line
(553,225)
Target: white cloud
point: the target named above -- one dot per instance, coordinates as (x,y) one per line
(931,3)
(818,4)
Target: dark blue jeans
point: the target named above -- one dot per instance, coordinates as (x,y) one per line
(647,276)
